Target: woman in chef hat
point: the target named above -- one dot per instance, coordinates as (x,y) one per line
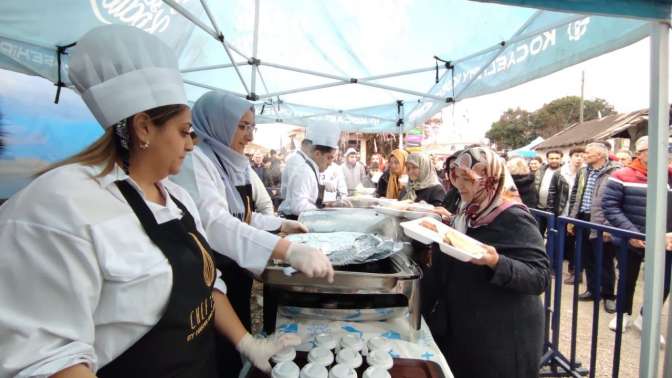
(104,268)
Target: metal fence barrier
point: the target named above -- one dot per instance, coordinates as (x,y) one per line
(554,363)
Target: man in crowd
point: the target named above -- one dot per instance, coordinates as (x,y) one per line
(558,199)
(624,205)
(545,175)
(624,157)
(586,204)
(260,169)
(354,171)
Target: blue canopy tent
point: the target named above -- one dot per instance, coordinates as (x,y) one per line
(369,67)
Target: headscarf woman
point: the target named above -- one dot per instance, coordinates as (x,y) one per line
(217,175)
(390,183)
(424,184)
(488,318)
(105,259)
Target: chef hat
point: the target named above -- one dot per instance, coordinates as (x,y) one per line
(121,70)
(642,144)
(350,151)
(325,135)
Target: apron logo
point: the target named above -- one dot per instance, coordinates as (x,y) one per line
(151,16)
(209,272)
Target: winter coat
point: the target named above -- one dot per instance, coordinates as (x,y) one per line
(526,189)
(624,200)
(575,199)
(434,195)
(490,322)
(558,193)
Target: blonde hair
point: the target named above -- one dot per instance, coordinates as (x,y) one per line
(107,149)
(517,166)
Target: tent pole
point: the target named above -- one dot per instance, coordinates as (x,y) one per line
(255,44)
(400,123)
(402,73)
(212,88)
(308,72)
(213,67)
(656,203)
(304,89)
(184,12)
(402,90)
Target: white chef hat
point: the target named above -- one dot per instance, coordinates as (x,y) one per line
(324,134)
(121,70)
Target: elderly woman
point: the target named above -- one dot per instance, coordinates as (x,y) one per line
(524,180)
(424,184)
(391,183)
(488,319)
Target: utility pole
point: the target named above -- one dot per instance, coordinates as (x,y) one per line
(581,103)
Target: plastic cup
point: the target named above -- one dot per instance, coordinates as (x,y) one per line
(352,341)
(321,356)
(381,358)
(379,342)
(376,372)
(349,357)
(286,354)
(286,369)
(342,371)
(312,370)
(326,340)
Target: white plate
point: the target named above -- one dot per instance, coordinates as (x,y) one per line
(426,236)
(404,213)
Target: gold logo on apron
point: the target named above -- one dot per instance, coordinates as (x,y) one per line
(209,273)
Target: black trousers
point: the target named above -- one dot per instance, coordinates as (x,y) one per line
(630,268)
(605,288)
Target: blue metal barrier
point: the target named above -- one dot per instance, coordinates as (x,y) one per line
(556,231)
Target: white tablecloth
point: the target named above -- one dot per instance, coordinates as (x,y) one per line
(396,330)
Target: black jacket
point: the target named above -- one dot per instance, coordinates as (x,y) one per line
(434,195)
(526,189)
(381,187)
(490,323)
(558,193)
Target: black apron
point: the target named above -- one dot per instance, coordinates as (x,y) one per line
(320,192)
(181,344)
(239,289)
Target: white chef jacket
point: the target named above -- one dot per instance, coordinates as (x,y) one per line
(262,200)
(302,188)
(292,161)
(80,280)
(247,245)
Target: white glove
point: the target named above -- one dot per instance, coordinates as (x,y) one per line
(258,351)
(310,261)
(330,186)
(340,203)
(292,227)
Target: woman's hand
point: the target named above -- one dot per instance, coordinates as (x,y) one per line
(490,257)
(446,216)
(289,227)
(259,351)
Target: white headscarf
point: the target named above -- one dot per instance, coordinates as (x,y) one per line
(427,177)
(215,117)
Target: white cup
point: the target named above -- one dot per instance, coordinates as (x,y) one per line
(352,341)
(286,354)
(312,370)
(286,369)
(380,357)
(349,357)
(379,342)
(376,372)
(326,340)
(342,371)
(321,356)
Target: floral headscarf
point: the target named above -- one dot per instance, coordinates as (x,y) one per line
(489,173)
(427,177)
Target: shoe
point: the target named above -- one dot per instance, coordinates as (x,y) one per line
(570,280)
(610,306)
(638,325)
(638,322)
(627,321)
(586,296)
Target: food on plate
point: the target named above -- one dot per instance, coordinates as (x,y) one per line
(429,225)
(462,242)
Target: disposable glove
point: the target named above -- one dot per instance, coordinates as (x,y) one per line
(340,203)
(310,261)
(292,227)
(258,351)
